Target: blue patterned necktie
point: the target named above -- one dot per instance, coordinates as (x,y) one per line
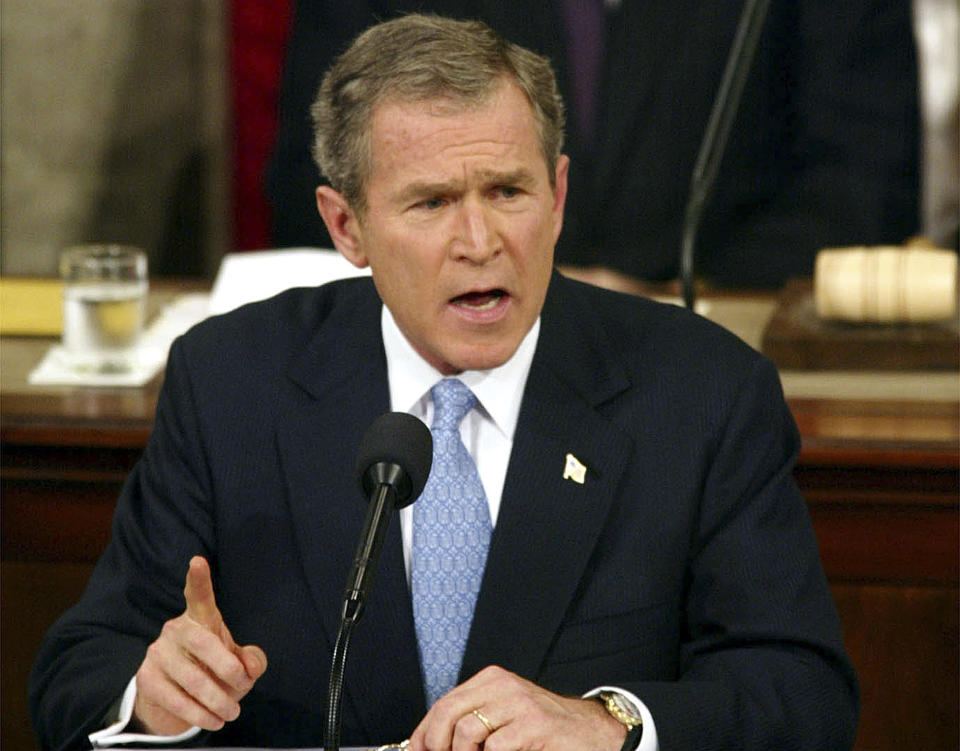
(451,536)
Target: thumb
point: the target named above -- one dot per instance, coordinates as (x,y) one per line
(254,660)
(198,592)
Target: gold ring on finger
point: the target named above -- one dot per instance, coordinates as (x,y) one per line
(483,718)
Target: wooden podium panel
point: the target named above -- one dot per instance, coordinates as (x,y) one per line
(882,482)
(796,338)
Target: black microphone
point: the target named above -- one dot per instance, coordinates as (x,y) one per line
(393,464)
(714,142)
(392,467)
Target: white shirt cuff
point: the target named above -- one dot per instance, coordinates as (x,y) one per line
(648,741)
(114,735)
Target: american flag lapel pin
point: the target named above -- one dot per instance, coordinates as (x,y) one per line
(574,470)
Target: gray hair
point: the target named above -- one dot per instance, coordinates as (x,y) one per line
(418,58)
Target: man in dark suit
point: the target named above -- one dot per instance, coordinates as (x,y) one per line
(649,545)
(824,151)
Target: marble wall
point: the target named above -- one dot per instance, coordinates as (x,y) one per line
(113,127)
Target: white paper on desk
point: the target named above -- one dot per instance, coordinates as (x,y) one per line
(256,275)
(149,356)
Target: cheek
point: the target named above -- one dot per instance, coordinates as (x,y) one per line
(536,238)
(391,255)
(406,275)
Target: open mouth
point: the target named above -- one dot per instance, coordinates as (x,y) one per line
(479,300)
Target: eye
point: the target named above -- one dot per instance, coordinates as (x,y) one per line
(431,204)
(508,191)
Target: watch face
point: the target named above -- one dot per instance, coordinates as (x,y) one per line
(621,708)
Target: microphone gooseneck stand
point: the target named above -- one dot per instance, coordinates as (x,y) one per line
(392,466)
(715,137)
(331,738)
(368,551)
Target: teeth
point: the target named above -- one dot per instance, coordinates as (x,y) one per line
(480,300)
(490,302)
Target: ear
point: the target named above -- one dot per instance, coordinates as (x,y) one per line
(560,194)
(342,224)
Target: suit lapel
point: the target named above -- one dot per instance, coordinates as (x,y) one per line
(548,526)
(344,359)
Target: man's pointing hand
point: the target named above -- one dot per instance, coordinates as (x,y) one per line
(194,674)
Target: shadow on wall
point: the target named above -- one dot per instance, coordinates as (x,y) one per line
(114,123)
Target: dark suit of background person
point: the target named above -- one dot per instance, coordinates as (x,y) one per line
(684,569)
(824,152)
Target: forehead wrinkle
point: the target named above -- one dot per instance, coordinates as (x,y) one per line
(482,177)
(451,152)
(423,189)
(419,145)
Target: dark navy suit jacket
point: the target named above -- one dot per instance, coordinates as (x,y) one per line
(684,568)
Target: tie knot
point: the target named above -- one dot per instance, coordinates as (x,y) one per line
(452,399)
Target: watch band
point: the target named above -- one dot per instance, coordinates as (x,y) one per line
(632,740)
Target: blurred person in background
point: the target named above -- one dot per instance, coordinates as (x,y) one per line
(824,151)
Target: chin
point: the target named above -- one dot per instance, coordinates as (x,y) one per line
(467,353)
(482,361)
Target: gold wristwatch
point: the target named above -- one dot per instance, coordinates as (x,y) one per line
(625,713)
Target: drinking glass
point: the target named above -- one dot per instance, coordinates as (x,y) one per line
(104,306)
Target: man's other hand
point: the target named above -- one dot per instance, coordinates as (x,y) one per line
(513,713)
(194,674)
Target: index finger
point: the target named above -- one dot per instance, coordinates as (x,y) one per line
(198,592)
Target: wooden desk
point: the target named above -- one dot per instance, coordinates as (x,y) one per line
(880,476)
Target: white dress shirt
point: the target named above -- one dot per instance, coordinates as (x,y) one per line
(487,432)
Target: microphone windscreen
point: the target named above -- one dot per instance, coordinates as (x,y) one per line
(401,439)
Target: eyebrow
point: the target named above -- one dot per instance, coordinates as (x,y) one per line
(418,190)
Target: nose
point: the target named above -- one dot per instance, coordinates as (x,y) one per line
(477,238)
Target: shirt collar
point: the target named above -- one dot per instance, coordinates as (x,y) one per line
(499,390)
